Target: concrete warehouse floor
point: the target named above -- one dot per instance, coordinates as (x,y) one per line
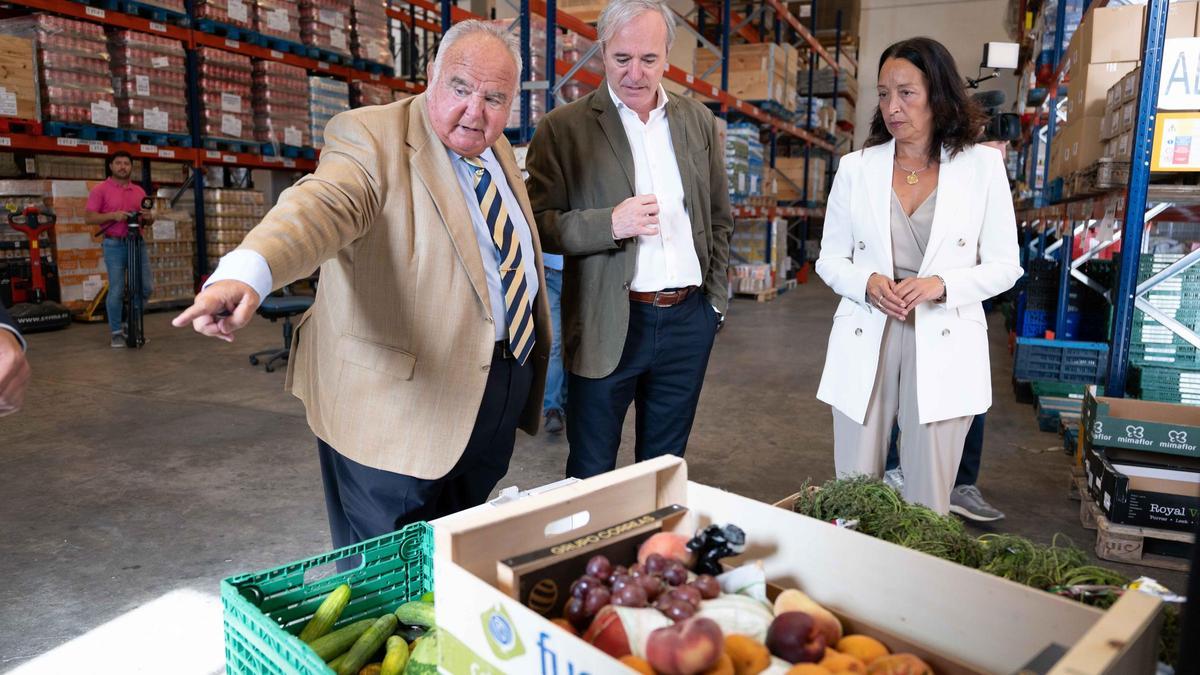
(133,481)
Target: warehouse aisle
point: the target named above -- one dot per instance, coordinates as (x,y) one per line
(135,481)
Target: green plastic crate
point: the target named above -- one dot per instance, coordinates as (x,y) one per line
(1062,389)
(265,611)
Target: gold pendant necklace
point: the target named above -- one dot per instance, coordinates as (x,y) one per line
(911,178)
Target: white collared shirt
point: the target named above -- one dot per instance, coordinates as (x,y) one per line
(667,259)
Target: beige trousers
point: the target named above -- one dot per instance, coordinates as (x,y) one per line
(929,453)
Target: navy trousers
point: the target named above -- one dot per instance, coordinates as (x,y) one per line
(968,466)
(660,372)
(363,502)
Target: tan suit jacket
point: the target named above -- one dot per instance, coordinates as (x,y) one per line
(392,360)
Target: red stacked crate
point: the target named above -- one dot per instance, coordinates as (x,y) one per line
(225,103)
(150,73)
(281,104)
(325,24)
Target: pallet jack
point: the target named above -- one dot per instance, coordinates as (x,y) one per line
(38,312)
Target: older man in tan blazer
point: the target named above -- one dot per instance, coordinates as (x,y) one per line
(427,344)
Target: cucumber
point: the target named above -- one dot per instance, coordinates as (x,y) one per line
(424,657)
(396,657)
(367,644)
(327,614)
(415,613)
(339,641)
(336,663)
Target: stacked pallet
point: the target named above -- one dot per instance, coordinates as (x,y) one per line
(150,73)
(326,98)
(744,161)
(787,181)
(225,89)
(366,93)
(369,36)
(171,246)
(764,73)
(229,215)
(278,19)
(325,24)
(281,104)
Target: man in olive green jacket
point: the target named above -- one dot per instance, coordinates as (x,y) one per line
(629,184)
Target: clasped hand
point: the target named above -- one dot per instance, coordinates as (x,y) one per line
(897,299)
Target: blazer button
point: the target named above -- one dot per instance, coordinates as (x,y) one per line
(945,332)
(858,331)
(962,242)
(861,246)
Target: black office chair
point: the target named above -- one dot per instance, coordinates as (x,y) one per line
(275,307)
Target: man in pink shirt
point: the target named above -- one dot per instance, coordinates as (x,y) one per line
(108,207)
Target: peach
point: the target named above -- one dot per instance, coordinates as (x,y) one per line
(793,600)
(749,656)
(637,665)
(807,669)
(837,662)
(667,544)
(899,664)
(687,648)
(607,633)
(863,648)
(794,637)
(724,666)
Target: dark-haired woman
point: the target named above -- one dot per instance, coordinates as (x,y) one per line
(919,230)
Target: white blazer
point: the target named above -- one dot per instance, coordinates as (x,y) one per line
(972,247)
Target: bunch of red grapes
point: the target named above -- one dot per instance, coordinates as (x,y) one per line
(661,583)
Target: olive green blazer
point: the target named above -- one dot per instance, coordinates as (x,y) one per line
(580,168)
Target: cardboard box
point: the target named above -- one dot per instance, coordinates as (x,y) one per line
(1112,123)
(1145,496)
(1130,84)
(757,72)
(1141,425)
(1087,146)
(1128,115)
(18,78)
(1109,34)
(958,619)
(1088,89)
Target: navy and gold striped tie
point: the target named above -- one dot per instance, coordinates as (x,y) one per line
(517,304)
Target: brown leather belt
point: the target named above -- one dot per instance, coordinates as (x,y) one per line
(667,298)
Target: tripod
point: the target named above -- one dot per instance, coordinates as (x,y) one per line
(135,336)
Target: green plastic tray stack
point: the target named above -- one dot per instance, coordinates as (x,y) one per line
(1168,366)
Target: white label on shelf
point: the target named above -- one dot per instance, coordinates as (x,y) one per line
(98,147)
(160,62)
(689,78)
(292,136)
(238,11)
(232,44)
(375,77)
(8,102)
(5,141)
(228,158)
(164,229)
(147,148)
(231,125)
(156,120)
(231,103)
(278,19)
(276,54)
(104,114)
(805,10)
(96,12)
(160,27)
(337,38)
(166,154)
(68,142)
(330,17)
(271,159)
(322,65)
(289,163)
(141,85)
(213,154)
(31,166)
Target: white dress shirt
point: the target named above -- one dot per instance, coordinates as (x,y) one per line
(251,268)
(667,259)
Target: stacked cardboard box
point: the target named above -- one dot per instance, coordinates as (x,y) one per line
(225,88)
(325,24)
(73,68)
(1120,111)
(79,255)
(281,104)
(277,18)
(744,160)
(823,81)
(327,97)
(18,78)
(229,215)
(150,73)
(748,248)
(750,277)
(369,35)
(236,13)
(171,245)
(366,93)
(757,72)
(787,181)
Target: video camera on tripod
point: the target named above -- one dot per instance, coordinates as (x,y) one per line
(134,335)
(1000,126)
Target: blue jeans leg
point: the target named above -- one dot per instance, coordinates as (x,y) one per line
(116,255)
(556,384)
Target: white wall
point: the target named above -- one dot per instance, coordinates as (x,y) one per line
(962,25)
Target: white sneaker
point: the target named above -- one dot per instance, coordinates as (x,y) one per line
(894,478)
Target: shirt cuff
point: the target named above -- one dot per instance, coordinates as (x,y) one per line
(246,266)
(14,331)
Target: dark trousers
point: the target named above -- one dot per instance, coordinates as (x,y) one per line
(968,466)
(363,502)
(661,372)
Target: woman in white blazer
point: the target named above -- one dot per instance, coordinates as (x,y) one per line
(919,230)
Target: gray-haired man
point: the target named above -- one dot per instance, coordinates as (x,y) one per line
(629,183)
(426,346)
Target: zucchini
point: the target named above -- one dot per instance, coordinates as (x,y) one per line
(424,657)
(396,657)
(339,641)
(367,644)
(336,663)
(327,614)
(415,613)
